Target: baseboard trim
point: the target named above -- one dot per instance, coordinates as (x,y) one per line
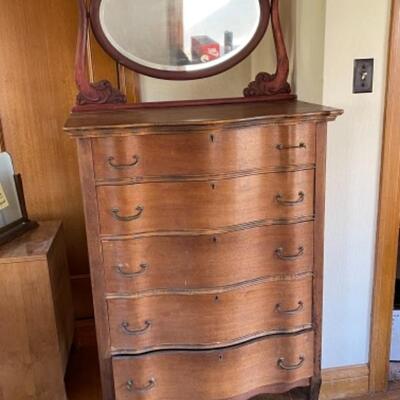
(344,382)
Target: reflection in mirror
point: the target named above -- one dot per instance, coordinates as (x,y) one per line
(10,210)
(179,35)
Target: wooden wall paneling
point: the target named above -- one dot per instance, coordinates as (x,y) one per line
(37,90)
(388,219)
(129,84)
(101,65)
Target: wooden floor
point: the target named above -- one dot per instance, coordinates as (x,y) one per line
(83,382)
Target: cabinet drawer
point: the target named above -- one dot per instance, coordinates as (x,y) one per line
(193,262)
(214,375)
(173,206)
(190,319)
(204,153)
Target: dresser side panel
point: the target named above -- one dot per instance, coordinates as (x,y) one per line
(96,268)
(320,178)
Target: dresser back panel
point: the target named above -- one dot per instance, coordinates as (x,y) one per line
(207,261)
(216,151)
(170,206)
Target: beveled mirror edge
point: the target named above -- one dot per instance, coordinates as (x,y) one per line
(102,95)
(265,13)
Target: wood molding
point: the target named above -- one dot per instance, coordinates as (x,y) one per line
(388,219)
(337,383)
(344,382)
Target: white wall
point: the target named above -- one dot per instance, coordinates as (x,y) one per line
(352,29)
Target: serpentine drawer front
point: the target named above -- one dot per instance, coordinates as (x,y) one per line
(207,261)
(172,154)
(206,247)
(215,375)
(222,317)
(174,206)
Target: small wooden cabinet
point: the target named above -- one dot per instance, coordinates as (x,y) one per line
(36,315)
(205,228)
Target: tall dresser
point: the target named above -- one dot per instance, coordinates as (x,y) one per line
(205,226)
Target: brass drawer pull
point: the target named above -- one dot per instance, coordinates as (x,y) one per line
(282,364)
(130,386)
(111,161)
(283,147)
(134,332)
(121,270)
(118,217)
(280,199)
(297,310)
(280,254)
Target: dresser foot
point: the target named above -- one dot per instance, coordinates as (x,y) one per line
(315,389)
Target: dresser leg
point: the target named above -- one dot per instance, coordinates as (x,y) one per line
(315,389)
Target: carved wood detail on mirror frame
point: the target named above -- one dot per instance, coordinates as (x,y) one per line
(103,95)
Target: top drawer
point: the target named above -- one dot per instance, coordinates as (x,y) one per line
(204,153)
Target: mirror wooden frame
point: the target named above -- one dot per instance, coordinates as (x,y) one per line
(265,14)
(102,95)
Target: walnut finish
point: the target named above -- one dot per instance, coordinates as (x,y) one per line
(247,149)
(205,228)
(207,261)
(214,375)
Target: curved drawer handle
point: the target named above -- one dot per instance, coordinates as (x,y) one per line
(281,200)
(135,332)
(131,387)
(121,270)
(282,364)
(297,310)
(118,217)
(111,161)
(280,254)
(283,147)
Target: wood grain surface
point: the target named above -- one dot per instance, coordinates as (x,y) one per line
(36,317)
(203,205)
(215,375)
(387,239)
(161,119)
(192,319)
(254,148)
(194,262)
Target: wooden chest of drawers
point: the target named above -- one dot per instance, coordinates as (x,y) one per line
(205,231)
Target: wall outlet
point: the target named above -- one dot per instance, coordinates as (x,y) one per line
(363,75)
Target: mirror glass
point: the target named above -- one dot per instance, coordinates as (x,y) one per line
(10,210)
(180,35)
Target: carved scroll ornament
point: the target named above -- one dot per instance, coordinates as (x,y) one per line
(91,93)
(267,84)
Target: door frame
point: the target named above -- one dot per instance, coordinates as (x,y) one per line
(388,218)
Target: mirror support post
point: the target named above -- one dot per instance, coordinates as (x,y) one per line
(91,93)
(267,84)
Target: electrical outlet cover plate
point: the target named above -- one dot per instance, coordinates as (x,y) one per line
(363,75)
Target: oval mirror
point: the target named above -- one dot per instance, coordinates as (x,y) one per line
(179,39)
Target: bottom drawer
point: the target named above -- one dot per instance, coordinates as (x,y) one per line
(217,374)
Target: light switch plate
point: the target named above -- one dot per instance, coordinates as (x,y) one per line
(363,75)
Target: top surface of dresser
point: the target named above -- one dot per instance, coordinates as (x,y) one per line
(157,119)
